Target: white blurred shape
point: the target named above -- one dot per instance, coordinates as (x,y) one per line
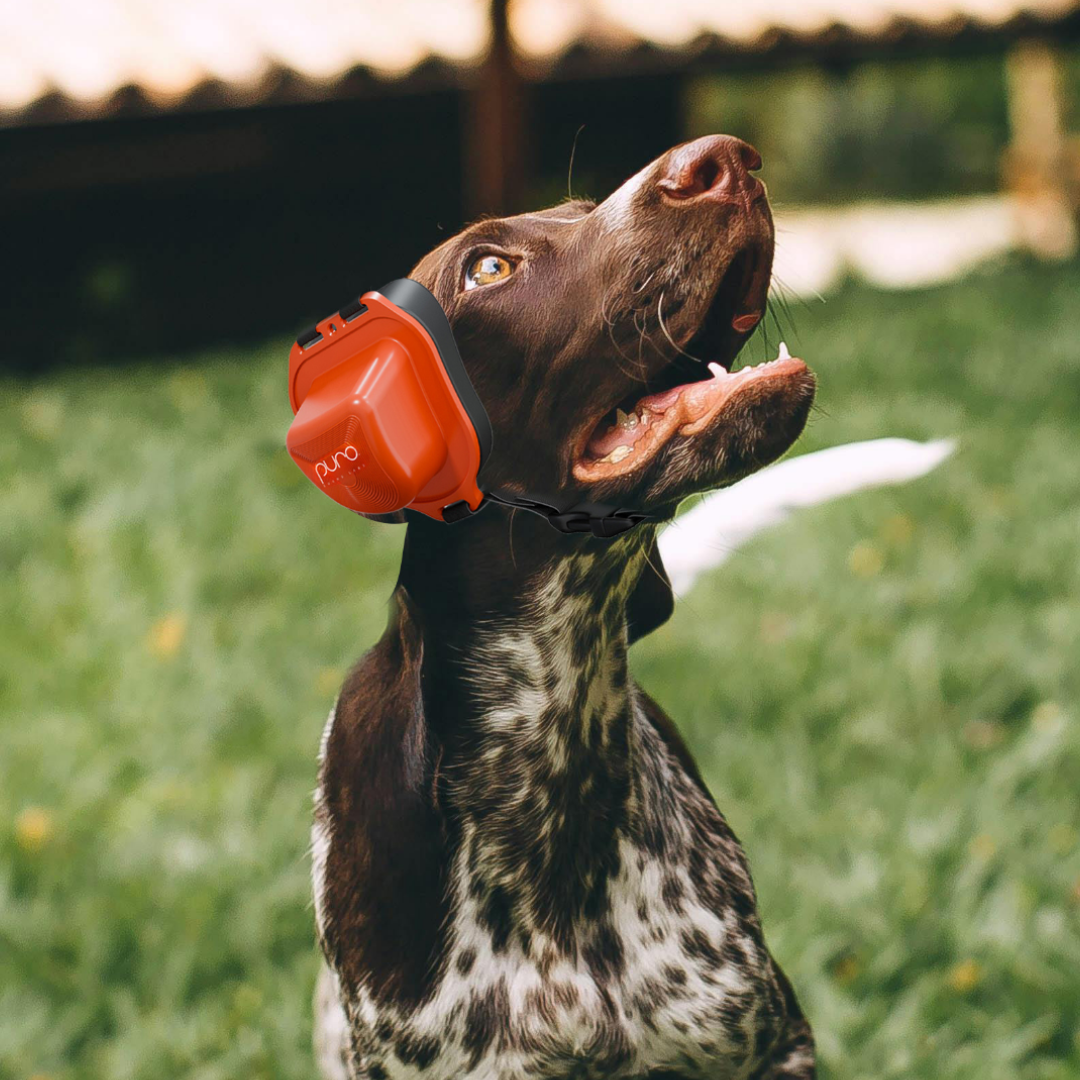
(708,534)
(894,245)
(89,49)
(922,245)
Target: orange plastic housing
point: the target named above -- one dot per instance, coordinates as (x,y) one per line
(378,425)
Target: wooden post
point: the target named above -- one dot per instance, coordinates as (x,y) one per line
(494,157)
(1039,163)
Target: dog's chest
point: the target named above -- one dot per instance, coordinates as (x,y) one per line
(600,918)
(660,974)
(655,984)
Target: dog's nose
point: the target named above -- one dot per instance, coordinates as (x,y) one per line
(716,167)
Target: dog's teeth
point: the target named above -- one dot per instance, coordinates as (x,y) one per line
(618,454)
(717,370)
(628,423)
(784,354)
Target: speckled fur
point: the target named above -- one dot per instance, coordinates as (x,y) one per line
(601,920)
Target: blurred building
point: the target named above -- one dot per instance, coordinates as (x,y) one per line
(178,172)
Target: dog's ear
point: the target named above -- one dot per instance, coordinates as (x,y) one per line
(652,601)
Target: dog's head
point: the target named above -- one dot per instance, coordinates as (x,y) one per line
(600,336)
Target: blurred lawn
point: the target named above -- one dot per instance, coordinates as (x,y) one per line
(883,694)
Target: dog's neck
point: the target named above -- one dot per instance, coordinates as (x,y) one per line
(525,685)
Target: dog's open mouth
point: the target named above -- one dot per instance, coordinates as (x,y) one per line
(688,396)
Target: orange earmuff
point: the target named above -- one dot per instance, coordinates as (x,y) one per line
(386,417)
(381,421)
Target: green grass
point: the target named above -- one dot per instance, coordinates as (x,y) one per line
(883,694)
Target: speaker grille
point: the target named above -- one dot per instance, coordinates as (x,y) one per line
(375,495)
(338,435)
(379,497)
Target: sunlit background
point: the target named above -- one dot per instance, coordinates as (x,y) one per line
(882,691)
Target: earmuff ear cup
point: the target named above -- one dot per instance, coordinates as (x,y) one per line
(379,422)
(365,433)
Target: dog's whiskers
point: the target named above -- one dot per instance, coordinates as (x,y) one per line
(792,292)
(643,337)
(678,348)
(780,299)
(570,167)
(610,324)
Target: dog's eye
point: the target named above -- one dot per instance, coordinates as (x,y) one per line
(486,270)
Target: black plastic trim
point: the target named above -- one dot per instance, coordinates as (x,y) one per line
(413,298)
(309,337)
(352,311)
(459,511)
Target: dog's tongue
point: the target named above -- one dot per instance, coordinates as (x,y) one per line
(691,401)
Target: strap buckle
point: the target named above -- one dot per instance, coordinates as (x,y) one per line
(602,526)
(604,522)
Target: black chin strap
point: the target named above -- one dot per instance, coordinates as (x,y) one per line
(602,521)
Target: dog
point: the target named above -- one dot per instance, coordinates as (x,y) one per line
(518,869)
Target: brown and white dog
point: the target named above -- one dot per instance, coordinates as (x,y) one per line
(518,869)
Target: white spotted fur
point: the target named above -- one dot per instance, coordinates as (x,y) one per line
(562,1044)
